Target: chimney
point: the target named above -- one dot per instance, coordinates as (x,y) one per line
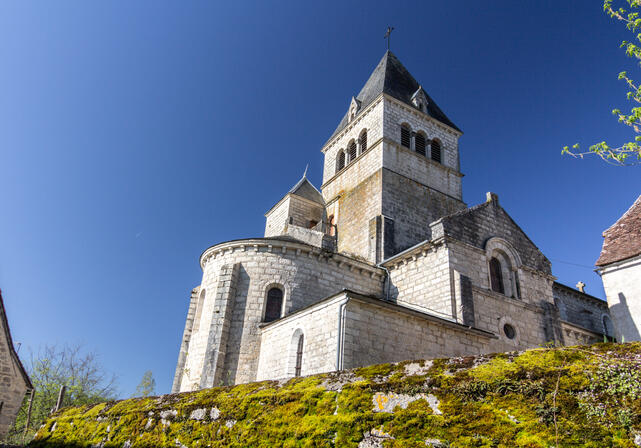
(492,197)
(581,286)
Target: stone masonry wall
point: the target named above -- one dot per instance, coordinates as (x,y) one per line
(374,334)
(422,169)
(371,120)
(580,309)
(423,281)
(622,285)
(306,274)
(277,219)
(279,342)
(397,113)
(12,385)
(476,225)
(302,211)
(356,208)
(413,206)
(184,345)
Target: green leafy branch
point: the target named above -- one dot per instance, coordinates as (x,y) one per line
(628,153)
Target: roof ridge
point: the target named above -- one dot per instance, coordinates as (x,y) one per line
(629,210)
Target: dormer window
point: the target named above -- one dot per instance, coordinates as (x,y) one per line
(353,109)
(419,100)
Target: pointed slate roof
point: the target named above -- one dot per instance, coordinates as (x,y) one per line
(304,188)
(392,78)
(623,238)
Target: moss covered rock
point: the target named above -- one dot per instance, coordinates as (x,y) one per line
(557,397)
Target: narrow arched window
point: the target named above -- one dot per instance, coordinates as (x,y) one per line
(496,276)
(362,140)
(299,355)
(274,304)
(341,161)
(406,136)
(199,311)
(351,149)
(419,143)
(332,225)
(436,151)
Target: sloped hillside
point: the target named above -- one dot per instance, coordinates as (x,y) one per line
(566,397)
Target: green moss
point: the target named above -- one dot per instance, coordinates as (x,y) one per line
(576,396)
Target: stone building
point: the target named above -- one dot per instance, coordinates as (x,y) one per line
(14,381)
(620,268)
(384,263)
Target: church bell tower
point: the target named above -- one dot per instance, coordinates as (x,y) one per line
(391,166)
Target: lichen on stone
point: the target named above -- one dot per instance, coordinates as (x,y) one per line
(573,396)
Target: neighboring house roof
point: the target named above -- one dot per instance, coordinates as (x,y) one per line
(304,188)
(392,78)
(623,238)
(12,351)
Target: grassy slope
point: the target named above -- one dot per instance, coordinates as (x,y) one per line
(573,396)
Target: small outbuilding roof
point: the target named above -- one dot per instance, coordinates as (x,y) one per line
(12,350)
(623,238)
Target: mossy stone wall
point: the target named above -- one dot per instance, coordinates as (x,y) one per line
(565,397)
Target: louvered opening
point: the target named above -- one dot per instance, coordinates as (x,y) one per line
(363,141)
(436,151)
(405,136)
(419,141)
(352,150)
(341,161)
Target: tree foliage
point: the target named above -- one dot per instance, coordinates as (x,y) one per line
(51,367)
(628,153)
(147,385)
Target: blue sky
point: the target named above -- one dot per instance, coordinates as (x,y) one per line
(134,135)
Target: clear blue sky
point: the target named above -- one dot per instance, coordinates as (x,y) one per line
(133,135)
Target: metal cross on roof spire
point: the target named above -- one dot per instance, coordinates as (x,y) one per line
(388,35)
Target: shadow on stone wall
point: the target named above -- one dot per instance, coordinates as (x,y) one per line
(623,320)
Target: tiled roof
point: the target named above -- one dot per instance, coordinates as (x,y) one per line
(392,78)
(623,238)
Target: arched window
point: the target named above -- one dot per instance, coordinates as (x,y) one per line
(199,311)
(436,151)
(362,140)
(351,149)
(419,143)
(299,355)
(274,304)
(496,276)
(406,136)
(340,164)
(332,225)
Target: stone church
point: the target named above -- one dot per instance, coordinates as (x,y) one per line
(384,263)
